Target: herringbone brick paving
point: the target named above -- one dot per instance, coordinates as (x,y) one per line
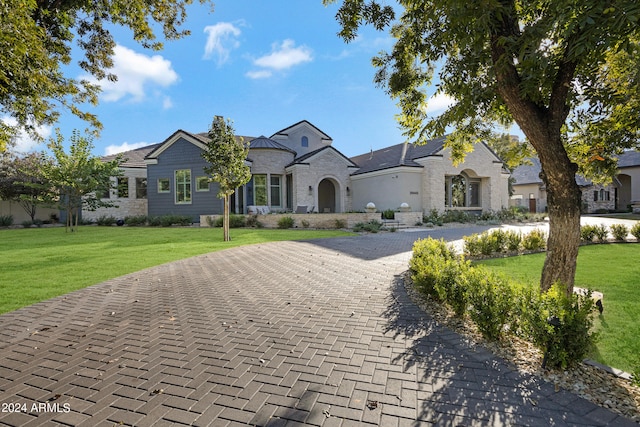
(292,333)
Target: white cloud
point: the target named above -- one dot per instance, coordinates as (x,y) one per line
(262,74)
(284,56)
(125,146)
(439,103)
(23,143)
(221,40)
(135,72)
(167,103)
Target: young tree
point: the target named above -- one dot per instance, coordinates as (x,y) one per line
(78,178)
(533,62)
(21,181)
(227,155)
(36,43)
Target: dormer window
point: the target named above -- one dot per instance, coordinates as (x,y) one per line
(305,141)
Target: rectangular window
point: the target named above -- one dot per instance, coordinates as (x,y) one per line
(141,188)
(202,183)
(260,190)
(276,190)
(474,193)
(183,186)
(163,185)
(123,187)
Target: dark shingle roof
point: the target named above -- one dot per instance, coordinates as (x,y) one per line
(394,156)
(530,174)
(302,159)
(133,158)
(629,159)
(262,142)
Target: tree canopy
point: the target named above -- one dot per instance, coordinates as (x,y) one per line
(226,155)
(548,65)
(36,38)
(78,179)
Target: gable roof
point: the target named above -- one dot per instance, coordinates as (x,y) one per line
(198,139)
(132,158)
(285,131)
(395,156)
(304,158)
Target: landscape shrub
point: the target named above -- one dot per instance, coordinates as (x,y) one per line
(472,247)
(491,299)
(305,223)
(6,220)
(452,287)
(571,339)
(619,232)
(430,256)
(235,221)
(339,224)
(536,240)
(433,218)
(106,220)
(286,222)
(252,221)
(601,232)
(587,233)
(513,240)
(135,220)
(457,216)
(169,220)
(372,226)
(635,231)
(27,223)
(388,214)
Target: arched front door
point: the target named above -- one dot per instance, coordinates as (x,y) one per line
(326,196)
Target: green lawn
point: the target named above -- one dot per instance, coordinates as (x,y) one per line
(614,270)
(38,264)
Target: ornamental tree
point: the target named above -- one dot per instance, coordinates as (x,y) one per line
(545,65)
(77,178)
(21,181)
(36,40)
(226,155)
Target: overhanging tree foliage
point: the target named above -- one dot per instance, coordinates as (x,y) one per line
(36,41)
(226,155)
(78,179)
(537,63)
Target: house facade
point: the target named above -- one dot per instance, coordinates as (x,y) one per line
(297,169)
(622,194)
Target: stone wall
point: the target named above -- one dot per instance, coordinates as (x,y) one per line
(326,220)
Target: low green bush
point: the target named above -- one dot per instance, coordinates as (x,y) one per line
(106,220)
(286,222)
(491,299)
(619,232)
(513,240)
(252,221)
(430,256)
(136,220)
(338,224)
(452,287)
(388,214)
(305,223)
(601,232)
(372,226)
(560,325)
(169,220)
(588,233)
(635,231)
(235,221)
(6,220)
(536,240)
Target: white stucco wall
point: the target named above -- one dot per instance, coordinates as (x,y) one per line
(388,189)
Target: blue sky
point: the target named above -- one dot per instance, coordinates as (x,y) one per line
(265,65)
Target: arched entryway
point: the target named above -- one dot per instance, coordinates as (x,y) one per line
(328,196)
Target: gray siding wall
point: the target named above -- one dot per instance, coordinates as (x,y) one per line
(181,155)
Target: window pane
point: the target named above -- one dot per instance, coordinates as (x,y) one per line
(183,186)
(276,192)
(260,190)
(141,188)
(164,185)
(123,187)
(202,183)
(474,193)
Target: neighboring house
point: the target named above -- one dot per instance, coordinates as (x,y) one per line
(620,195)
(298,170)
(424,177)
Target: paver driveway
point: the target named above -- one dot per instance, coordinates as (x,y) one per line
(317,333)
